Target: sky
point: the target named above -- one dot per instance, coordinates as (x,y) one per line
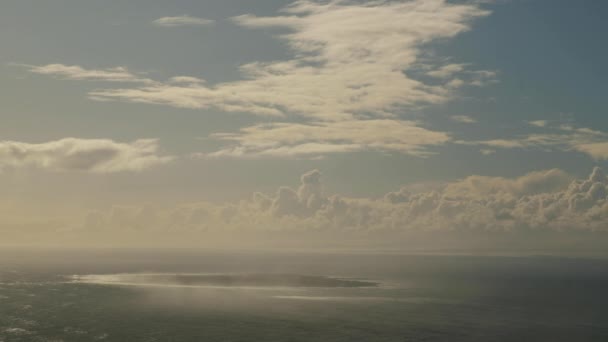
(189,122)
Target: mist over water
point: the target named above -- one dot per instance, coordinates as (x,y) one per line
(189,295)
(223,280)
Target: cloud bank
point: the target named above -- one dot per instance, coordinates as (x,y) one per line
(545,201)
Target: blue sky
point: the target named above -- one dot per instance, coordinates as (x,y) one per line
(232,97)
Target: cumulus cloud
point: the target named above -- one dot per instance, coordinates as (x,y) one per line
(304,201)
(88,155)
(183,20)
(301,140)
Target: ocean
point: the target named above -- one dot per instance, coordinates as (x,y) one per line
(204,295)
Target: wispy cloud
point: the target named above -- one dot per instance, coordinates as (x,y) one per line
(87,155)
(463,119)
(183,20)
(561,137)
(447,70)
(597,150)
(76,72)
(322,138)
(349,59)
(538,123)
(348,75)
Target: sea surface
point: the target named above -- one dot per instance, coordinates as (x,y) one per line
(195,295)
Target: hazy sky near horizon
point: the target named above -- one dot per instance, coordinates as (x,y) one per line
(158,106)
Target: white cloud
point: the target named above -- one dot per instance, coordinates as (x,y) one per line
(183,20)
(458,75)
(561,138)
(76,72)
(548,201)
(530,184)
(350,59)
(482,78)
(302,140)
(538,123)
(463,119)
(597,150)
(187,80)
(88,155)
(447,70)
(349,72)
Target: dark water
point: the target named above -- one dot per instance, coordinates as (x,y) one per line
(221,296)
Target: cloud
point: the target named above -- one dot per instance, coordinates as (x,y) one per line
(547,201)
(183,20)
(447,70)
(87,155)
(458,75)
(598,150)
(560,138)
(350,71)
(481,78)
(186,80)
(463,119)
(305,201)
(349,59)
(76,72)
(305,140)
(538,123)
(532,183)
